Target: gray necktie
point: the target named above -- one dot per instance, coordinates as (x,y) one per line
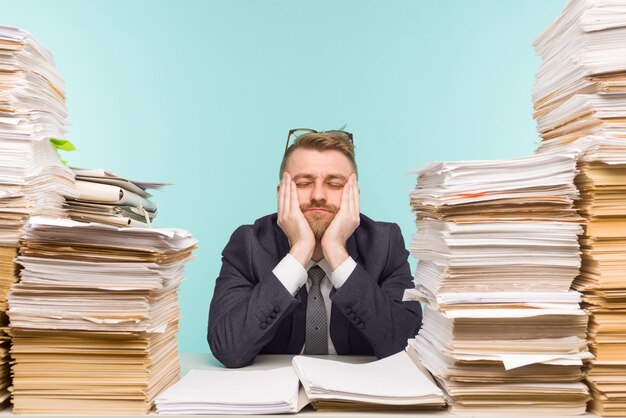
(316,327)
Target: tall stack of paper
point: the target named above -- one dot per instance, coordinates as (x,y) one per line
(580,89)
(107,198)
(33,179)
(94,316)
(7,278)
(580,103)
(32,111)
(603,281)
(498,248)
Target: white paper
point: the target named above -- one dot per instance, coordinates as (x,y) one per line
(232,392)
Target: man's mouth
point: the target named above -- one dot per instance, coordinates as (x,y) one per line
(315,210)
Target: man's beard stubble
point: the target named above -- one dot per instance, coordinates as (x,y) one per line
(319,222)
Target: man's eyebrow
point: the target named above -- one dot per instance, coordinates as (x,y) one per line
(303,176)
(311,176)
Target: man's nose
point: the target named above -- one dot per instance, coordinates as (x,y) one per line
(319,193)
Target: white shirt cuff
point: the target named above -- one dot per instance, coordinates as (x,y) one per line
(341,273)
(291,274)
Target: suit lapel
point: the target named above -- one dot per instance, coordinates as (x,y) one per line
(282,242)
(339,324)
(339,327)
(298,329)
(353,251)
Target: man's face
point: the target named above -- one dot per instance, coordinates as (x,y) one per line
(319,177)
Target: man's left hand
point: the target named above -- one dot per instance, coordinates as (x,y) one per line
(343,225)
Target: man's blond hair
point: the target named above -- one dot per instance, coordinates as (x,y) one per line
(321,141)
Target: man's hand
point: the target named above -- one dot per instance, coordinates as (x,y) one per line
(293,223)
(343,226)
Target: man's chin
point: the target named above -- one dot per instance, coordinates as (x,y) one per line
(319,226)
(318,231)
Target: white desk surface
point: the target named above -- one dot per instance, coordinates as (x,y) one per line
(207,361)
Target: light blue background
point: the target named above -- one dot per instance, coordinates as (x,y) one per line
(202,93)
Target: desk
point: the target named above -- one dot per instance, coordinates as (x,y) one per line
(207,361)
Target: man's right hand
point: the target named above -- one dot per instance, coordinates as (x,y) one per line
(293,223)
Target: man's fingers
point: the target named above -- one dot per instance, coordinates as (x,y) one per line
(287,201)
(345,197)
(356,197)
(295,203)
(351,196)
(348,192)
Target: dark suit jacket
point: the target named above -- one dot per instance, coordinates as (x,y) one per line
(252,312)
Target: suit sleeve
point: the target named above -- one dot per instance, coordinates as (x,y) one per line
(247,305)
(374,304)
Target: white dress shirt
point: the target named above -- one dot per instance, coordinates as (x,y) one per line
(293,276)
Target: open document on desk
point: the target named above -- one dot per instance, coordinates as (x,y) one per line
(393,383)
(390,384)
(233,392)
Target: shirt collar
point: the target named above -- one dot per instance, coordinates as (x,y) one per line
(322,263)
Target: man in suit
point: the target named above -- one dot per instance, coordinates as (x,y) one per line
(317,277)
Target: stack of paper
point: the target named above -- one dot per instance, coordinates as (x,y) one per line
(393,383)
(581,84)
(506,225)
(498,248)
(603,281)
(246,392)
(580,103)
(8,275)
(94,316)
(7,278)
(107,198)
(34,180)
(32,111)
(583,52)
